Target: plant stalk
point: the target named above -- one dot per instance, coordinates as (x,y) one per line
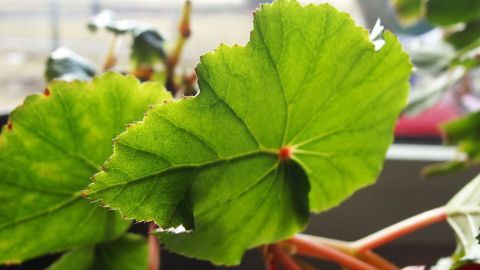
(400,229)
(111,58)
(153,249)
(374,259)
(367,256)
(269,259)
(318,250)
(174,57)
(283,258)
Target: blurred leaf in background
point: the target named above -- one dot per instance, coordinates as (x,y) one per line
(64,64)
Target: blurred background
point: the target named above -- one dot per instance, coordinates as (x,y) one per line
(31,29)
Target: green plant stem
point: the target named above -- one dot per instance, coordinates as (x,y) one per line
(323,251)
(153,249)
(400,229)
(283,258)
(174,57)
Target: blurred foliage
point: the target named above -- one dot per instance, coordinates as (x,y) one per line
(148,54)
(148,46)
(446,56)
(64,64)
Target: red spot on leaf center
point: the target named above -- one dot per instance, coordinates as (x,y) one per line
(46,92)
(285,153)
(9,125)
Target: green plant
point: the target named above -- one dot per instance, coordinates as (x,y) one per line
(291,123)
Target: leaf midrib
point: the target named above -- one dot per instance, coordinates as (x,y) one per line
(187,166)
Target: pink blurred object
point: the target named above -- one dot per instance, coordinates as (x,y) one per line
(426,125)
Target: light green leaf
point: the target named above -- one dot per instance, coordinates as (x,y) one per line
(464,217)
(130,252)
(50,148)
(295,121)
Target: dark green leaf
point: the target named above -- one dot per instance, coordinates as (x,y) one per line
(148,47)
(444,168)
(130,252)
(463,38)
(465,132)
(448,12)
(64,64)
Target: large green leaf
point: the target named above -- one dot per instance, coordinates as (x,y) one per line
(297,120)
(50,148)
(130,252)
(464,218)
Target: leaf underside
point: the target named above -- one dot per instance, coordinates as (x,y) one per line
(309,82)
(50,148)
(464,218)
